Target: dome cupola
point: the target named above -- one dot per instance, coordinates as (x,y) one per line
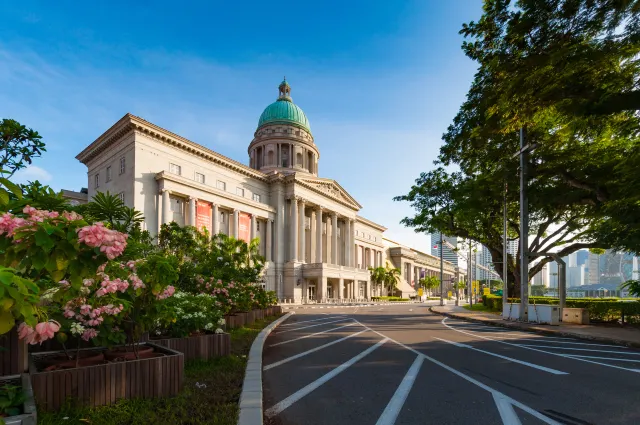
(284,111)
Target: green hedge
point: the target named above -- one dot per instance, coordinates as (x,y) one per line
(600,309)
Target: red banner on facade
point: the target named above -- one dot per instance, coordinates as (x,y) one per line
(244,227)
(203,215)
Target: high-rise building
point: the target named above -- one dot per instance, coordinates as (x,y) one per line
(594,269)
(582,257)
(542,277)
(512,247)
(447,253)
(576,276)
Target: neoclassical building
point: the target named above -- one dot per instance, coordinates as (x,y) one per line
(315,243)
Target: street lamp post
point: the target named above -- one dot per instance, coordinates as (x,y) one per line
(441,273)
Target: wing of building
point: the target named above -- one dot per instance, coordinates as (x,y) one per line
(315,243)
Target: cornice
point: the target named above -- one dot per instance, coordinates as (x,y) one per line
(131,122)
(163,175)
(307,180)
(370,223)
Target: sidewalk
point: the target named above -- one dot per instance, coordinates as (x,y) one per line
(624,336)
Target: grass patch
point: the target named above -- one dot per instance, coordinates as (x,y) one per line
(215,404)
(479,307)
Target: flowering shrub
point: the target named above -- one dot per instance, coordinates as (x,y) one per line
(190,314)
(232,297)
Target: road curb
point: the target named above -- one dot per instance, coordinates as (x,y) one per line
(506,324)
(251,396)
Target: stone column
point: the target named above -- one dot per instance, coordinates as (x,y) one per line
(301,223)
(367,291)
(166,207)
(319,235)
(334,238)
(236,223)
(252,231)
(352,242)
(268,242)
(323,289)
(293,229)
(312,237)
(192,211)
(340,288)
(216,219)
(346,239)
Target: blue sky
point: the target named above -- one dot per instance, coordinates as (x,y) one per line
(380,81)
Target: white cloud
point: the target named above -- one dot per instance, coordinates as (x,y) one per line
(32,173)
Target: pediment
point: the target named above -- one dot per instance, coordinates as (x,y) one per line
(329,188)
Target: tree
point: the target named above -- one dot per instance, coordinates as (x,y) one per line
(110,209)
(378,275)
(546,66)
(430,283)
(19,145)
(392,277)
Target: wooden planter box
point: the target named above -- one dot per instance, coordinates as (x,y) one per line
(106,383)
(277,310)
(29,414)
(13,354)
(201,347)
(234,321)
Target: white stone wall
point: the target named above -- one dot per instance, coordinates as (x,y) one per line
(119,183)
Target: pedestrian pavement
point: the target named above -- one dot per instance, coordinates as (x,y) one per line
(628,336)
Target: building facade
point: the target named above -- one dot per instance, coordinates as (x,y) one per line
(315,244)
(447,253)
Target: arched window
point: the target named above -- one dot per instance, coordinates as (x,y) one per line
(310,162)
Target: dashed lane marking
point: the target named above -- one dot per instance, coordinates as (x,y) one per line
(313,350)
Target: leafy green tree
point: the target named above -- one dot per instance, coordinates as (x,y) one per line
(378,276)
(429,283)
(19,145)
(633,286)
(391,279)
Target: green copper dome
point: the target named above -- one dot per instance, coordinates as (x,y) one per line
(284,111)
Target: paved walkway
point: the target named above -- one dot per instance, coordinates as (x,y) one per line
(626,336)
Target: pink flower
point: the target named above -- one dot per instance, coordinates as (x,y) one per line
(71,216)
(85,309)
(69,314)
(43,332)
(136,281)
(112,243)
(89,334)
(166,293)
(64,283)
(9,223)
(26,332)
(87,282)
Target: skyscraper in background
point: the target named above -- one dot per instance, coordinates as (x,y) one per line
(447,253)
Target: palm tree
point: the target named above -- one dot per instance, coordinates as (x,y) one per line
(392,276)
(377,275)
(430,283)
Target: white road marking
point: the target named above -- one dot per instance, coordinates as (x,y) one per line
(297,356)
(310,335)
(505,408)
(313,326)
(394,406)
(535,366)
(546,339)
(314,320)
(467,378)
(535,349)
(287,402)
(606,358)
(627,353)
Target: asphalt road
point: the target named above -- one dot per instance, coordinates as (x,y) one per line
(402,364)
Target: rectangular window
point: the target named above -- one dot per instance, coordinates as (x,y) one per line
(108,174)
(256,197)
(240,191)
(96,181)
(307,222)
(175,169)
(222,217)
(122,165)
(200,178)
(176,205)
(121,196)
(221,185)
(257,226)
